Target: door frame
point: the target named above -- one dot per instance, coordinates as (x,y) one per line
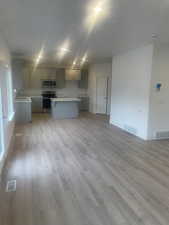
(2,137)
(107,80)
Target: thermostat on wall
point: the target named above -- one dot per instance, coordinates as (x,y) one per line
(158,86)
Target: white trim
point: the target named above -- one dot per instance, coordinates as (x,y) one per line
(11,116)
(1,130)
(1,156)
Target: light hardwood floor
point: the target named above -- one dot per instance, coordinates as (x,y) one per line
(84,172)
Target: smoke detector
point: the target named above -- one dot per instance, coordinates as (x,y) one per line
(154,36)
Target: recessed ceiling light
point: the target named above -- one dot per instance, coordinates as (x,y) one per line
(74,64)
(84,59)
(40,56)
(98,9)
(154,36)
(65,50)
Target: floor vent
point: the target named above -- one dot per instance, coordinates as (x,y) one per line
(162,134)
(130,129)
(11,186)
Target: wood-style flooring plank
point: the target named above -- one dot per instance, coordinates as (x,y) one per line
(84,171)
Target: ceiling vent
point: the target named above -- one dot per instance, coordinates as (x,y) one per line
(11,186)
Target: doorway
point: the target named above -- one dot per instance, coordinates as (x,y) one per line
(2,147)
(102,95)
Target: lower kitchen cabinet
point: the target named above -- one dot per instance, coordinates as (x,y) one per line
(37,104)
(84,104)
(23,111)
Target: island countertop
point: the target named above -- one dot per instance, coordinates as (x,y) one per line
(65,100)
(23,99)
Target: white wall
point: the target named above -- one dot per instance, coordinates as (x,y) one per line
(8,124)
(159,100)
(131,76)
(95,70)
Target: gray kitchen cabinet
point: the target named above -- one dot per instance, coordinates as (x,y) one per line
(37,106)
(83,83)
(35,82)
(23,110)
(84,104)
(60,78)
(73,74)
(17,71)
(26,78)
(48,73)
(33,78)
(38,76)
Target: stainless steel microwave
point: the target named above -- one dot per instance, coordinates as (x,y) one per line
(48,84)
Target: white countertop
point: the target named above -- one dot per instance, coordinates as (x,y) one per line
(23,99)
(29,96)
(36,96)
(65,99)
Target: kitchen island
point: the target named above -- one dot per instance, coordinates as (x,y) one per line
(23,111)
(63,108)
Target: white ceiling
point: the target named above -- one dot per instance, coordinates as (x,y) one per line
(27,24)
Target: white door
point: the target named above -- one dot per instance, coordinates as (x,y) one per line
(1,128)
(101,95)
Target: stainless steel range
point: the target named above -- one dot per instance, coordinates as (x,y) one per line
(47,95)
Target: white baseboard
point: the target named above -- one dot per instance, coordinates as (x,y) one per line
(2,162)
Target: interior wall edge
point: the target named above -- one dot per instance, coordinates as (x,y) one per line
(8,149)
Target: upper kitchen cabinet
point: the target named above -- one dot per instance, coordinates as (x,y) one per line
(73,74)
(26,77)
(17,70)
(47,73)
(83,83)
(60,78)
(42,74)
(33,78)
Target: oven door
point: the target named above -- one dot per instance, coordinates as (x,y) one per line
(46,103)
(46,83)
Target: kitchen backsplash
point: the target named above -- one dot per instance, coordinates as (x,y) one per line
(71,90)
